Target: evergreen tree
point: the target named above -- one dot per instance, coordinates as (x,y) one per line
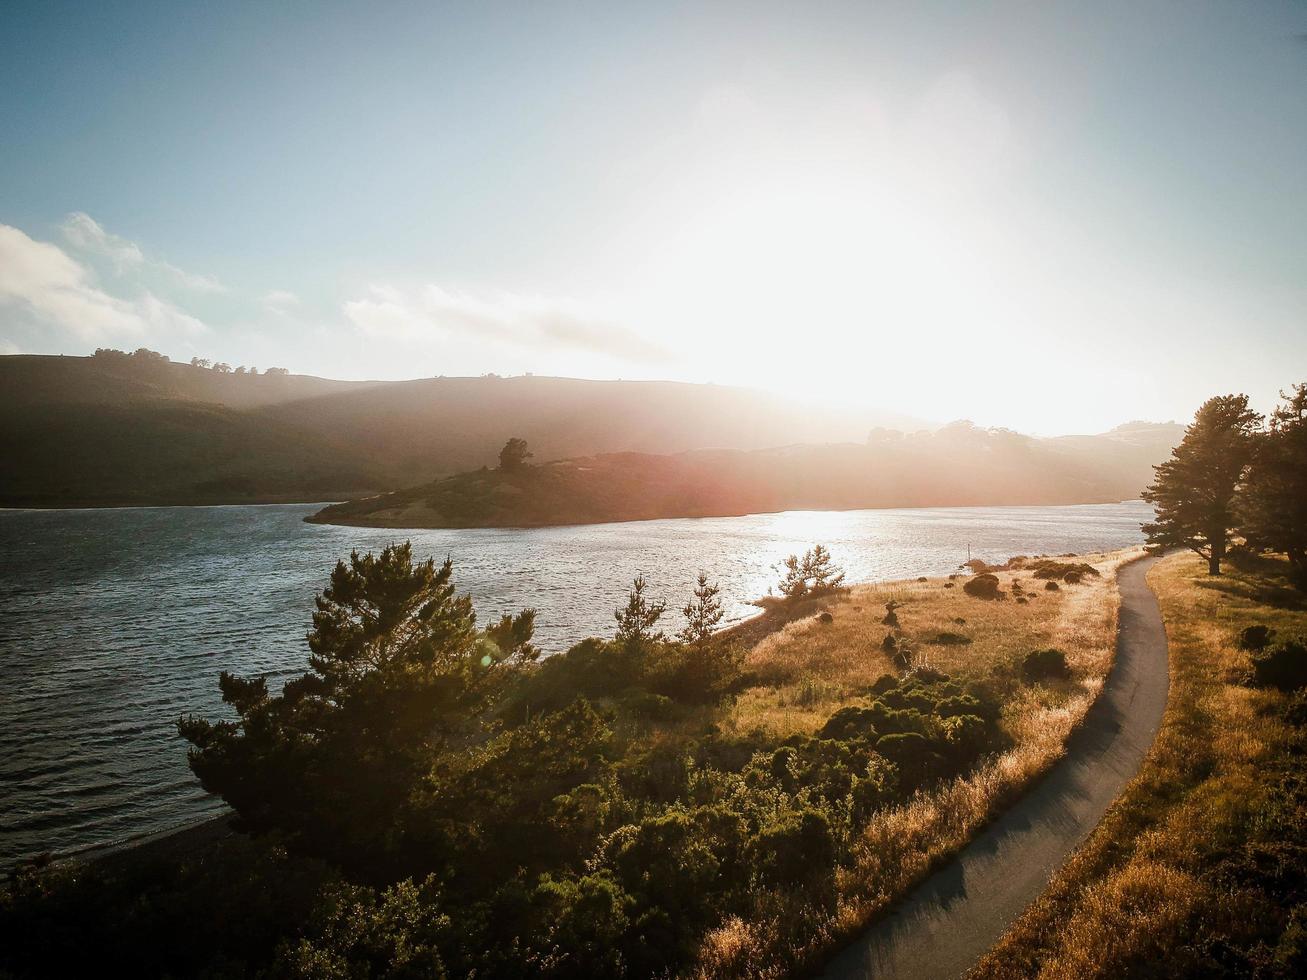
(812,575)
(636,620)
(514,454)
(1273,505)
(702,613)
(1194,490)
(397,669)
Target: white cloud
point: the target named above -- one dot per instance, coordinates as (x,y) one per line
(58,292)
(86,234)
(531,322)
(280,300)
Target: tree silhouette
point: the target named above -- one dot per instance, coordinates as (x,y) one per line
(397,669)
(1273,505)
(1194,490)
(635,620)
(702,613)
(514,454)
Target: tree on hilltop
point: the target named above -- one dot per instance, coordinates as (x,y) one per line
(1194,491)
(514,454)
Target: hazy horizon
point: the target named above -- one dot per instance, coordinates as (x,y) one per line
(1052,218)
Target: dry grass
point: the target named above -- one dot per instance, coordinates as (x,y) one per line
(809,669)
(1165,877)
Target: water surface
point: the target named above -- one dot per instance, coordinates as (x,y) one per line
(115,622)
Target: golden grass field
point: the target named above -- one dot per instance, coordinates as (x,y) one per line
(809,669)
(1171,876)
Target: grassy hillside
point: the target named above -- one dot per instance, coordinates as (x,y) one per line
(1202,864)
(957,466)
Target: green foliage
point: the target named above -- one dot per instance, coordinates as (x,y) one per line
(703,612)
(435,800)
(794,847)
(398,670)
(814,574)
(359,932)
(637,619)
(1045,665)
(1272,506)
(1048,568)
(1194,491)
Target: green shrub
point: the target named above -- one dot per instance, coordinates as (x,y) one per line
(1051,587)
(1282,665)
(1050,569)
(913,755)
(578,925)
(1256,637)
(795,847)
(983,586)
(1045,665)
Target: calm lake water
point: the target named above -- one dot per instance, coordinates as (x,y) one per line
(115,622)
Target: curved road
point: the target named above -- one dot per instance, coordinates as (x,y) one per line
(958,913)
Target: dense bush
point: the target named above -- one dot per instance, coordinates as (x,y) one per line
(983,586)
(1048,568)
(1282,664)
(1256,637)
(1045,665)
(794,847)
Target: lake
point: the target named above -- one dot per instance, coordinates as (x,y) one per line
(115,622)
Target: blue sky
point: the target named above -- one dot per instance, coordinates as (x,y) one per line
(1048,216)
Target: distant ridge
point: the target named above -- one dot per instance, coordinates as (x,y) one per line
(116,429)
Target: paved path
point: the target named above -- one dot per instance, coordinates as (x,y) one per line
(958,913)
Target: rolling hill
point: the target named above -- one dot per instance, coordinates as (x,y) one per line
(131,429)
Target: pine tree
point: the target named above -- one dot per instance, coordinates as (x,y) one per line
(514,454)
(636,620)
(702,613)
(397,668)
(1194,491)
(1273,505)
(812,575)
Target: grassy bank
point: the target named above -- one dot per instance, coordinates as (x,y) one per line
(810,669)
(1199,868)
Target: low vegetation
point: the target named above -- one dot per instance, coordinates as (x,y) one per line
(432,797)
(1200,869)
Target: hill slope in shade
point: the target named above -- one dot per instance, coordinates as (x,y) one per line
(111,430)
(958,466)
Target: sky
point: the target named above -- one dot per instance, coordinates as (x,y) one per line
(1054,217)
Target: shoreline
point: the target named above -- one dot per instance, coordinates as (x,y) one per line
(384,526)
